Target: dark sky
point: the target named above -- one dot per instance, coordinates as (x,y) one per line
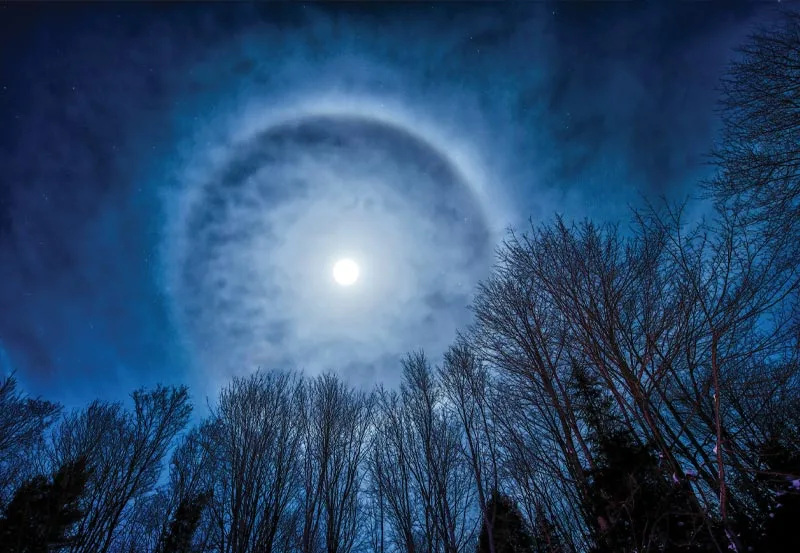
(177,179)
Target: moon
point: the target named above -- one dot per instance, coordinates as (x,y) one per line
(345,272)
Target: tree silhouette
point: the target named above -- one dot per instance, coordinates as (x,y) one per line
(23,422)
(43,510)
(182,528)
(781,464)
(634,507)
(757,158)
(510,533)
(125,449)
(546,536)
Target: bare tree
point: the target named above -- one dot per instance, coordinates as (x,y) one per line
(467,386)
(402,510)
(245,455)
(391,486)
(666,320)
(435,460)
(523,331)
(758,156)
(734,291)
(337,420)
(23,423)
(124,451)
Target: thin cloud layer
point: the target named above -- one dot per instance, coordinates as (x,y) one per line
(251,257)
(178,179)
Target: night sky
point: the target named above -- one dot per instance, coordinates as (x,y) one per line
(176,181)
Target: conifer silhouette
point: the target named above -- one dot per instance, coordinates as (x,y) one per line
(40,514)
(184,523)
(509,530)
(782,475)
(634,506)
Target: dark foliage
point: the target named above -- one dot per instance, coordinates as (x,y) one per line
(632,504)
(509,530)
(546,537)
(781,473)
(23,421)
(182,528)
(43,510)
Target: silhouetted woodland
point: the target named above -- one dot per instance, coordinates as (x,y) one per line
(620,390)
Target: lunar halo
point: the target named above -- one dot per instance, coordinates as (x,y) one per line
(255,221)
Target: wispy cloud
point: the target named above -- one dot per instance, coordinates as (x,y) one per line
(178,182)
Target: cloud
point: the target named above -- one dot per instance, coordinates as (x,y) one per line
(250,257)
(163,216)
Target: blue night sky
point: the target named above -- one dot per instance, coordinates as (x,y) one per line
(177,180)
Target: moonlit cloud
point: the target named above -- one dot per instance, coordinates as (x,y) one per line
(254,236)
(178,180)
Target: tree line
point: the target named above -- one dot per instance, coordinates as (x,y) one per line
(619,390)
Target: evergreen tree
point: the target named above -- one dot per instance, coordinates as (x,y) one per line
(546,537)
(781,464)
(509,530)
(178,538)
(40,514)
(632,504)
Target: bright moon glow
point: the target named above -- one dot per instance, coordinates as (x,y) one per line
(345,272)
